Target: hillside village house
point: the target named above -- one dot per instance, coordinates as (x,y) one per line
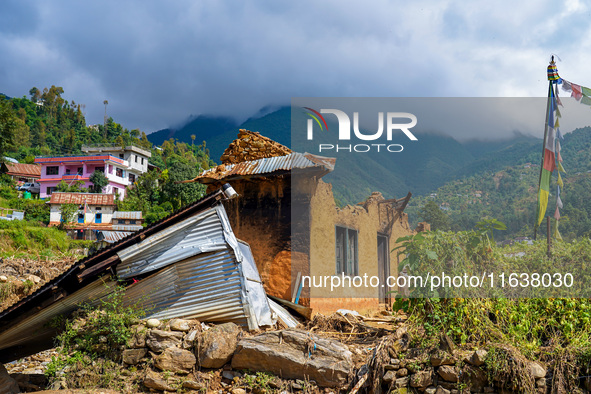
(127,220)
(20,172)
(288,216)
(122,166)
(96,213)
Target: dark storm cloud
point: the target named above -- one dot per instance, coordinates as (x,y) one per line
(159,62)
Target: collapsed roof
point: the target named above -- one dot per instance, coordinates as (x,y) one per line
(189,265)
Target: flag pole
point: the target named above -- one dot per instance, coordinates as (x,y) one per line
(548,237)
(543,151)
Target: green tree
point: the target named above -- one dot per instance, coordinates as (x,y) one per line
(99,181)
(75,187)
(67,211)
(433,215)
(8,126)
(180,194)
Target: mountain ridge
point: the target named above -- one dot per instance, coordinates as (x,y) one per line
(421,168)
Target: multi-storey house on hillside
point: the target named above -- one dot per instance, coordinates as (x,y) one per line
(122,166)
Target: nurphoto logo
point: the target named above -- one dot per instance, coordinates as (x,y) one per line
(391,124)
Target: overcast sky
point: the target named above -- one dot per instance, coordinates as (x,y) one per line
(158,62)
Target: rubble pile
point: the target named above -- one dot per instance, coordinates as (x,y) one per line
(185,355)
(252,146)
(335,354)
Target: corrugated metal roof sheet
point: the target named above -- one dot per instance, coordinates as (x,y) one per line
(199,234)
(269,165)
(114,236)
(31,170)
(35,327)
(207,287)
(11,315)
(126,227)
(81,198)
(195,267)
(127,215)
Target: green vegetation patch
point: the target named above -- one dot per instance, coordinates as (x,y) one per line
(24,239)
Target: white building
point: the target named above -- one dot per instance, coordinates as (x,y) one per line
(136,159)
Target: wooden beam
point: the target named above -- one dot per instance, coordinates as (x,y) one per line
(97,268)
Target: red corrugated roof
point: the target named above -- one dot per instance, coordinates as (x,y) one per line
(66,159)
(81,198)
(30,170)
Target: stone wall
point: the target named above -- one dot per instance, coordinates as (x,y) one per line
(447,370)
(252,146)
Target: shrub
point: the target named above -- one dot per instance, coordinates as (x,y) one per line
(92,342)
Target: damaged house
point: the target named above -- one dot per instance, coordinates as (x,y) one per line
(287,214)
(189,264)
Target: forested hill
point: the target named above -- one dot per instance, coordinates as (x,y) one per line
(509,194)
(421,169)
(468,180)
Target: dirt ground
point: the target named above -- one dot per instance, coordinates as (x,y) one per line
(20,277)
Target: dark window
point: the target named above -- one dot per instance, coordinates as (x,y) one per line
(79,170)
(52,170)
(136,158)
(98,208)
(67,171)
(132,222)
(132,178)
(51,190)
(121,221)
(121,155)
(142,161)
(119,172)
(101,169)
(346,251)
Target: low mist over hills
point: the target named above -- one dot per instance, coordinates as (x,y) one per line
(424,165)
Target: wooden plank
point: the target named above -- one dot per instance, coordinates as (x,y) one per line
(97,268)
(301,310)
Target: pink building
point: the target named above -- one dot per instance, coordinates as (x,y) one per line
(122,166)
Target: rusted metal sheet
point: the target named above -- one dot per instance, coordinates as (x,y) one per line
(21,169)
(81,198)
(269,165)
(43,296)
(132,215)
